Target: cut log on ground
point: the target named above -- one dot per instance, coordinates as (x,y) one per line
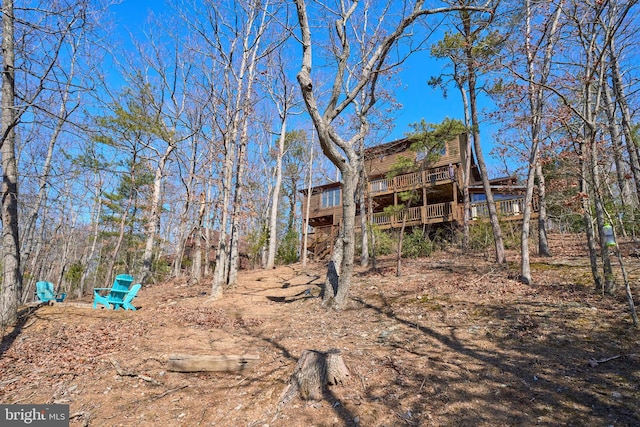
(315,371)
(224,363)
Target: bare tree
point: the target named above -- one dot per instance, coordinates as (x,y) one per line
(353,76)
(471,34)
(231,42)
(625,111)
(592,26)
(283,96)
(38,43)
(167,73)
(536,82)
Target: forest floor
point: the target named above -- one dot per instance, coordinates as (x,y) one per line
(455,341)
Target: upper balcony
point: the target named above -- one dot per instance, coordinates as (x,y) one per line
(429,177)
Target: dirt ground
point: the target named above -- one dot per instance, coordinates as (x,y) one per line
(455,341)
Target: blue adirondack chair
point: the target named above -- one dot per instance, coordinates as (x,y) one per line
(115,294)
(126,303)
(46,293)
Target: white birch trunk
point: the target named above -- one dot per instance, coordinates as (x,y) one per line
(250,51)
(94,239)
(224,255)
(536,94)
(196,271)
(275,197)
(154,216)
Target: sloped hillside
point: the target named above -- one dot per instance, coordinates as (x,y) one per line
(456,341)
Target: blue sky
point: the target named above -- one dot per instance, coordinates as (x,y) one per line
(417,98)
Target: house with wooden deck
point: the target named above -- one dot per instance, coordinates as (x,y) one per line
(435,187)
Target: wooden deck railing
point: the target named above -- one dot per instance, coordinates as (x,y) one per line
(510,207)
(438,175)
(381,219)
(439,212)
(410,180)
(322,240)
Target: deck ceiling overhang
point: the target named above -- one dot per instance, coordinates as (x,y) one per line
(321,221)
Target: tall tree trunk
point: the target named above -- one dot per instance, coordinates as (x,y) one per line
(221,247)
(363,195)
(198,233)
(543,242)
(94,240)
(466,168)
(535,92)
(11,275)
(250,55)
(349,186)
(594,173)
(183,235)
(340,271)
(362,190)
(591,98)
(525,265)
(473,106)
(616,142)
(305,229)
(211,211)
(627,123)
(227,256)
(116,250)
(154,216)
(586,214)
(275,197)
(374,259)
(234,250)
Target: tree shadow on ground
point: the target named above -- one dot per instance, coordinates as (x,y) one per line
(23,317)
(527,366)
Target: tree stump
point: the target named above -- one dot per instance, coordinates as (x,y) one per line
(314,372)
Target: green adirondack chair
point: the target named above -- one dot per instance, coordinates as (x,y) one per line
(114,295)
(46,293)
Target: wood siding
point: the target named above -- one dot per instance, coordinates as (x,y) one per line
(380,164)
(440,200)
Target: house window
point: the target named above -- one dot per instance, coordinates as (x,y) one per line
(331,197)
(478,197)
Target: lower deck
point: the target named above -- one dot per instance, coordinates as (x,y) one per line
(321,238)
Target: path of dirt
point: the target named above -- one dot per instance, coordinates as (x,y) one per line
(456,341)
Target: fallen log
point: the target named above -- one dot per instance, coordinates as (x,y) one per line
(224,363)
